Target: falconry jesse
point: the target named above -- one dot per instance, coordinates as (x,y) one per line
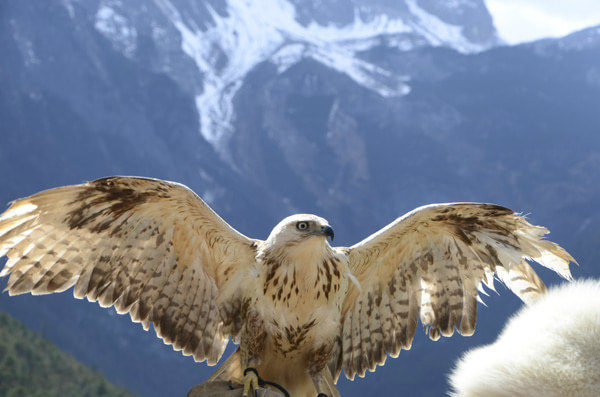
(300,309)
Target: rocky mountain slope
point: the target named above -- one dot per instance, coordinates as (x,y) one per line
(357,111)
(209,48)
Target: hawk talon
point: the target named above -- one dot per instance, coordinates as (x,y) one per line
(250,381)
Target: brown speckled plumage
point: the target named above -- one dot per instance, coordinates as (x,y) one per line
(301,310)
(145,246)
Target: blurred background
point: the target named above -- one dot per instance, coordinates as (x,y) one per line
(356,110)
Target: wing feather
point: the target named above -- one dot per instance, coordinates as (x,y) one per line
(364,338)
(387,317)
(376,352)
(356,349)
(177,304)
(185,326)
(429,265)
(149,247)
(347,347)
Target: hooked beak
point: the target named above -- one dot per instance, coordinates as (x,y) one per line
(327,231)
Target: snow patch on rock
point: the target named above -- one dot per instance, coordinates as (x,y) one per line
(117,29)
(226,45)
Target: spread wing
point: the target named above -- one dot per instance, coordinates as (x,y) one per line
(429,264)
(149,247)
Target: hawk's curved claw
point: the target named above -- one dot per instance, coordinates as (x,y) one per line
(250,381)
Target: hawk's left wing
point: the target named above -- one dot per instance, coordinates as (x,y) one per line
(151,248)
(429,264)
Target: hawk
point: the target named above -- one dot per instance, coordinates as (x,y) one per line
(300,309)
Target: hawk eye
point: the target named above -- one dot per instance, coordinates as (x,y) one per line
(302,225)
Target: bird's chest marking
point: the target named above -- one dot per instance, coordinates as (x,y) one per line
(280,283)
(328,277)
(297,291)
(290,338)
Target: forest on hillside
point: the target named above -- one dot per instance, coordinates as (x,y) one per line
(32,366)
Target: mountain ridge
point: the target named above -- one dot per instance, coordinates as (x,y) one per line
(225,43)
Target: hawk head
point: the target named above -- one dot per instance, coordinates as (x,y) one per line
(299,228)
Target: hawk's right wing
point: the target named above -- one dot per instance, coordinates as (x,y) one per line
(149,247)
(429,264)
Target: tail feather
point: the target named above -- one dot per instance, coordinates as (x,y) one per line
(231,368)
(332,391)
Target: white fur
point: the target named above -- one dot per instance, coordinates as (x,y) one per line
(550,348)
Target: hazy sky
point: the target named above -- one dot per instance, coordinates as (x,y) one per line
(526,20)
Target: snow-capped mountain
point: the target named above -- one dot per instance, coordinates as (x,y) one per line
(226,40)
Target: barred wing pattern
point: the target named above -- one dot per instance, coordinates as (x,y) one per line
(149,247)
(429,264)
